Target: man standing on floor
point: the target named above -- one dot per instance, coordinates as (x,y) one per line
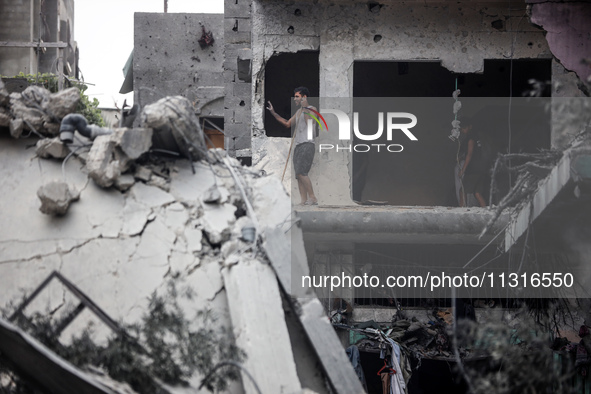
(303,154)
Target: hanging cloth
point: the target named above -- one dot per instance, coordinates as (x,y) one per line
(397,383)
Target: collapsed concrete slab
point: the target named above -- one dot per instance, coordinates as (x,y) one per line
(120,248)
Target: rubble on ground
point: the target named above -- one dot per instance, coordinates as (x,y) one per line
(144,219)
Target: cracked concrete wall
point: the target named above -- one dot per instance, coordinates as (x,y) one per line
(118,248)
(168,60)
(460,35)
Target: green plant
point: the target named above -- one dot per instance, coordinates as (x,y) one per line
(513,358)
(164,345)
(86,107)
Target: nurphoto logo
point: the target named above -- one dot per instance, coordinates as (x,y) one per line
(393,124)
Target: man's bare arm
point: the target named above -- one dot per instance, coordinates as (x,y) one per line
(286,123)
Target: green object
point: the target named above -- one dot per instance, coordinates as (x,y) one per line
(355,337)
(128,74)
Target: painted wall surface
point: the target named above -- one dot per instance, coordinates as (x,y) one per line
(168,60)
(461,35)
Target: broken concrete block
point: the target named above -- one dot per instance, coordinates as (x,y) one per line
(176,127)
(62,103)
(143,173)
(16,128)
(230,247)
(42,111)
(27,106)
(133,142)
(212,195)
(4,118)
(50,128)
(160,182)
(56,197)
(217,222)
(100,164)
(112,154)
(51,148)
(4,95)
(124,182)
(193,236)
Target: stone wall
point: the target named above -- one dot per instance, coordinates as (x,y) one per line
(238,73)
(27,21)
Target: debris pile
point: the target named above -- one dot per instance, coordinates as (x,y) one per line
(36,110)
(112,157)
(145,218)
(417,339)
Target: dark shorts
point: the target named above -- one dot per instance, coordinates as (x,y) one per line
(476,183)
(303,155)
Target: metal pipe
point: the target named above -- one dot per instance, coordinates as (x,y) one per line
(72,122)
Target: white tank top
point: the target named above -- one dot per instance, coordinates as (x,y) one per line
(301,128)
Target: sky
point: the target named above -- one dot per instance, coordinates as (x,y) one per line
(104,33)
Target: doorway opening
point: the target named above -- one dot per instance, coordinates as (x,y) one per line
(283,73)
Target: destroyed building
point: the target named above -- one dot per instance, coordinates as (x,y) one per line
(350,49)
(228,67)
(37,37)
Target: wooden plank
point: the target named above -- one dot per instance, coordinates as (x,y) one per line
(33,44)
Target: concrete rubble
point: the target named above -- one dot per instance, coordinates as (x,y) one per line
(112,155)
(36,110)
(48,148)
(145,220)
(56,197)
(175,125)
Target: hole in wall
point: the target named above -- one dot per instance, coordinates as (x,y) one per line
(242,103)
(374,7)
(423,173)
(235,28)
(297,12)
(245,161)
(283,73)
(290,30)
(377,38)
(499,24)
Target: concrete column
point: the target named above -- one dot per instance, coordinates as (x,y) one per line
(237,77)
